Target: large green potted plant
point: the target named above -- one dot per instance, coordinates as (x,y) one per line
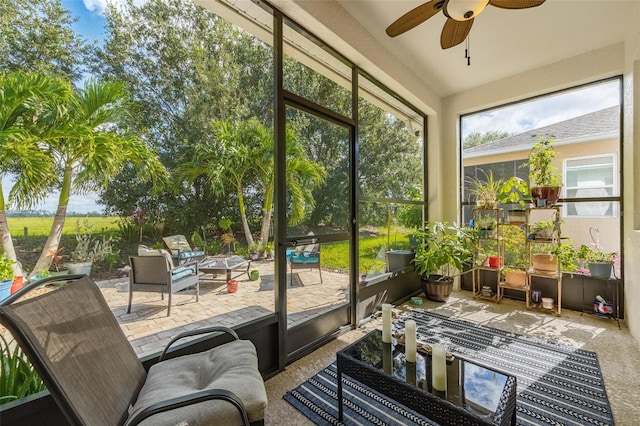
(442,253)
(6,276)
(544,177)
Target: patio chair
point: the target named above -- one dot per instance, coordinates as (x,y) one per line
(94,376)
(153,271)
(304,257)
(181,251)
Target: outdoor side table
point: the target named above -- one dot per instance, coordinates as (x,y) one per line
(383,367)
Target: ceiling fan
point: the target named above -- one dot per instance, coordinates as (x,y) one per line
(460,15)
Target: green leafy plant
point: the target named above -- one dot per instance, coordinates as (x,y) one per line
(485,191)
(588,255)
(568,256)
(444,249)
(542,172)
(18,378)
(6,267)
(89,248)
(514,191)
(545,229)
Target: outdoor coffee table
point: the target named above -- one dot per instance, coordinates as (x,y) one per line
(475,395)
(223,264)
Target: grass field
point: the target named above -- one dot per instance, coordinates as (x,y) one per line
(37,226)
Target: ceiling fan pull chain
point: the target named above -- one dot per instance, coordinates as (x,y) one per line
(467,52)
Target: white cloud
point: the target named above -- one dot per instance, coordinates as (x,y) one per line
(100,6)
(544,111)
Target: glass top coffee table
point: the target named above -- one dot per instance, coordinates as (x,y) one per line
(223,264)
(475,394)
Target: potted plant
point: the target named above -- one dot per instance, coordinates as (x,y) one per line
(87,251)
(515,191)
(485,191)
(441,255)
(544,177)
(6,276)
(515,256)
(545,230)
(599,263)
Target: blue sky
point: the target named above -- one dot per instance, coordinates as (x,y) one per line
(91,20)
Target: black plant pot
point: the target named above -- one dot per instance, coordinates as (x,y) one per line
(437,288)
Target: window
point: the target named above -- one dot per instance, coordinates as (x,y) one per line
(589,177)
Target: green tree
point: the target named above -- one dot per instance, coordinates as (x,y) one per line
(185,67)
(37,35)
(242,159)
(90,146)
(477,138)
(28,102)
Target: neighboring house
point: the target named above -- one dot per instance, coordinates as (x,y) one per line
(588,150)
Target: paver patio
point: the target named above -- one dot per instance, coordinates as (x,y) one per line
(149,329)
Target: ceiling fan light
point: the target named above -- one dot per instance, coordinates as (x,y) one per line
(463,10)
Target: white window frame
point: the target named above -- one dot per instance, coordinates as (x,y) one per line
(615,185)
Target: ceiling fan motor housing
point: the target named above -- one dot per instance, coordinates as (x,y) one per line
(463,10)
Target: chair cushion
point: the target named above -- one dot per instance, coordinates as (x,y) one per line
(188,254)
(177,242)
(232,366)
(146,251)
(304,259)
(181,272)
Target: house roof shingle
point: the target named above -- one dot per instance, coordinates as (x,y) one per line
(595,124)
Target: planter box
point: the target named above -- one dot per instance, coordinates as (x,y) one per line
(399,259)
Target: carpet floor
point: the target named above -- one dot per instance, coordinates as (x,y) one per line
(557,384)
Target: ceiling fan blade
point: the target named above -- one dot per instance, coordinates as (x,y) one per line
(414,17)
(515,4)
(454,32)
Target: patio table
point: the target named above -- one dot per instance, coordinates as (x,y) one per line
(475,395)
(223,264)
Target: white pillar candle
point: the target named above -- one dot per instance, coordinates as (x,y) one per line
(438,367)
(386,322)
(410,340)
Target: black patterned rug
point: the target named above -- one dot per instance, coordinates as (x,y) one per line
(557,384)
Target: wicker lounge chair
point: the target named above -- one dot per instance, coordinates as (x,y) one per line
(181,251)
(153,271)
(78,348)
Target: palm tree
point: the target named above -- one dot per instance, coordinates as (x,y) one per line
(245,151)
(27,101)
(91,146)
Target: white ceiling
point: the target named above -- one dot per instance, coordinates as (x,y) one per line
(502,42)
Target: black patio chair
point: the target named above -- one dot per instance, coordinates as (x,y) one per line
(93,374)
